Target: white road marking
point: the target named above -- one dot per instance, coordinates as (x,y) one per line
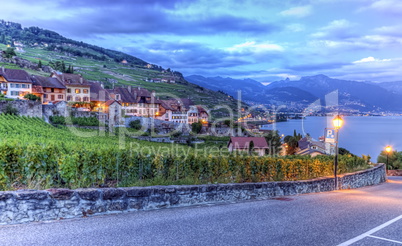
(366,234)
(385,239)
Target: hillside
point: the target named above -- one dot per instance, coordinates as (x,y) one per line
(392,86)
(111,68)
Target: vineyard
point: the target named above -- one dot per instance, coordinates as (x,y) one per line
(34,154)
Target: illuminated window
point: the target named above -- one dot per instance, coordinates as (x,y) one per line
(85,90)
(77,91)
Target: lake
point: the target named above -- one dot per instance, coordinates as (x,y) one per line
(359,135)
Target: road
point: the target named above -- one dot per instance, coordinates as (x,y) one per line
(366,216)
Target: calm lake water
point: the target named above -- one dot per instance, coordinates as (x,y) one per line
(359,135)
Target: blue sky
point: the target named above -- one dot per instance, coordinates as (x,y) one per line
(265,40)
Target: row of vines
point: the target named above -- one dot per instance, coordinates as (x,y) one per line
(37,155)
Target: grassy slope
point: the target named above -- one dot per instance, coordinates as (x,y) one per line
(126,74)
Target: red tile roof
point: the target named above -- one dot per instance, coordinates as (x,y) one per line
(244,142)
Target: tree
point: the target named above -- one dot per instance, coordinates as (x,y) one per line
(135,124)
(32,97)
(274,142)
(9,53)
(394,159)
(251,147)
(196,127)
(292,143)
(3,38)
(10,110)
(40,64)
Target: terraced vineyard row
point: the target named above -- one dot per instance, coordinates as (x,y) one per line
(37,155)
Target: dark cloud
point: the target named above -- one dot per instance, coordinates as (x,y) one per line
(89,18)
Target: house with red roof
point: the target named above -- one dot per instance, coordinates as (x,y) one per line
(243,144)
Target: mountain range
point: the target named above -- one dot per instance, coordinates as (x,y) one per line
(351,95)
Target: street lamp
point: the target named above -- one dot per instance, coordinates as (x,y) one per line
(337,122)
(388,149)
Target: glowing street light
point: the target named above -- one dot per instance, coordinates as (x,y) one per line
(388,149)
(337,122)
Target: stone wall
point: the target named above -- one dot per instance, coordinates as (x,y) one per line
(32,205)
(24,107)
(59,109)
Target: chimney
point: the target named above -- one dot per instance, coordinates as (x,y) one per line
(153,93)
(129,88)
(2,68)
(81,80)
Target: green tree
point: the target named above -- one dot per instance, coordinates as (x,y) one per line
(292,142)
(10,110)
(3,38)
(32,97)
(196,127)
(251,147)
(135,124)
(394,159)
(274,142)
(9,53)
(40,64)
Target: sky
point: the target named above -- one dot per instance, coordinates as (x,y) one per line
(265,40)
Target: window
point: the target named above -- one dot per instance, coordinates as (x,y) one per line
(60,97)
(15,93)
(68,98)
(78,99)
(77,91)
(85,91)
(117,96)
(69,90)
(86,99)
(44,95)
(12,85)
(17,86)
(51,89)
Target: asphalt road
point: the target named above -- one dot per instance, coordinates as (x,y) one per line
(366,216)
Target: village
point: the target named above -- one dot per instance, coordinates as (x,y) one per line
(121,105)
(91,96)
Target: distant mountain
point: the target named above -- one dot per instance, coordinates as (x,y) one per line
(395,87)
(361,96)
(249,88)
(352,95)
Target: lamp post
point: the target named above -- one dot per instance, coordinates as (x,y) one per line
(388,149)
(337,122)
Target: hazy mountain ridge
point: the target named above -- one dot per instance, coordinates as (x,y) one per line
(395,86)
(353,95)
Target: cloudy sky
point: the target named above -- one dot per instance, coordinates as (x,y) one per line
(265,40)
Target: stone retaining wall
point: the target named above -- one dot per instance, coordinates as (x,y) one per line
(33,205)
